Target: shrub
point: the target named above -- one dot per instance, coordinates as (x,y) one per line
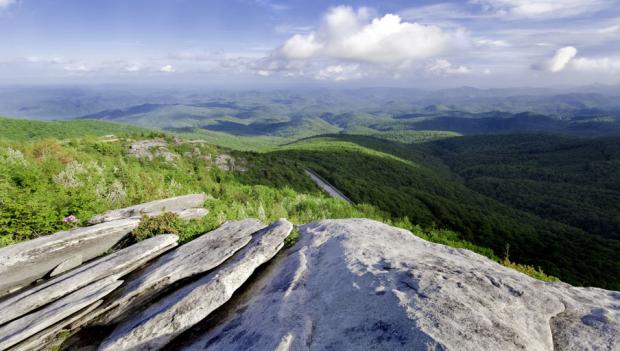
(526,269)
(165,223)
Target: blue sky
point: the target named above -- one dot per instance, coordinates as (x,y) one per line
(486,43)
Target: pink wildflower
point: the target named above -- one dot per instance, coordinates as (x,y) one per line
(70,219)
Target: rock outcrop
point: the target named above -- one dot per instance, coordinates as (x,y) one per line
(116,265)
(172,315)
(199,256)
(361,285)
(152,208)
(350,284)
(151,149)
(20,329)
(23,263)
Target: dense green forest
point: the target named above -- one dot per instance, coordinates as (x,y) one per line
(414,181)
(573,181)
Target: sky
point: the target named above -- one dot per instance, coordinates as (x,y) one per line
(253,43)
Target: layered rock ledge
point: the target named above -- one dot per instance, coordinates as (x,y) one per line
(349,284)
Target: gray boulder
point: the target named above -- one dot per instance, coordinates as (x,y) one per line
(23,263)
(152,208)
(167,318)
(31,324)
(198,256)
(116,264)
(357,284)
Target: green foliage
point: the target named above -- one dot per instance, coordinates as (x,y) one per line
(529,270)
(165,223)
(292,239)
(27,130)
(414,181)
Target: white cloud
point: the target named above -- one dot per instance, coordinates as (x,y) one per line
(445,67)
(301,46)
(560,60)
(353,35)
(6,3)
(132,67)
(610,29)
(540,8)
(566,58)
(339,73)
(604,64)
(167,69)
(80,67)
(439,12)
(492,43)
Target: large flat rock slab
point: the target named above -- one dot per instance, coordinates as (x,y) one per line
(23,263)
(153,208)
(168,317)
(198,256)
(31,324)
(45,339)
(357,284)
(116,264)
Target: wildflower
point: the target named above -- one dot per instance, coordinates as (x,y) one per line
(70,219)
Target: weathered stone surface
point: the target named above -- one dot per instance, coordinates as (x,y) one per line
(23,263)
(67,265)
(151,149)
(227,162)
(358,284)
(43,339)
(192,213)
(152,208)
(20,329)
(198,256)
(116,264)
(170,316)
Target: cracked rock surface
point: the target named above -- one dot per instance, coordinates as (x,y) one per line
(357,284)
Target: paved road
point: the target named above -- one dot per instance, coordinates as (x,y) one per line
(330,189)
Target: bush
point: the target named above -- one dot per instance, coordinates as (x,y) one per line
(165,223)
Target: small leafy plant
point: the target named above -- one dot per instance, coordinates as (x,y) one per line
(165,223)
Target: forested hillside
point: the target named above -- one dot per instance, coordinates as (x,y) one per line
(414,180)
(26,130)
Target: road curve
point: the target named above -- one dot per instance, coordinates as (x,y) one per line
(330,189)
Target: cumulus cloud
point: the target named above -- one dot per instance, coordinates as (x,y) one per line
(167,69)
(349,34)
(540,8)
(6,3)
(445,67)
(566,57)
(603,64)
(559,61)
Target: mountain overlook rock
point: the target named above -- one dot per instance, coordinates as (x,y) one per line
(357,284)
(346,284)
